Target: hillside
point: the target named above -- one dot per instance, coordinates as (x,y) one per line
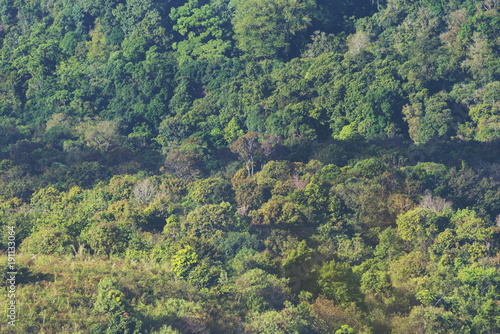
(250,166)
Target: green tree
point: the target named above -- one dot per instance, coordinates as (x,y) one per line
(265,28)
(183,261)
(472,234)
(204,28)
(211,191)
(112,301)
(291,319)
(232,131)
(345,329)
(210,220)
(280,212)
(419,227)
(248,195)
(260,290)
(108,238)
(390,246)
(48,240)
(338,282)
(299,267)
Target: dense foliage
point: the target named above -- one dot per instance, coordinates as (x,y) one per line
(251,166)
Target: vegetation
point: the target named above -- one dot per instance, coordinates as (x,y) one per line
(253,166)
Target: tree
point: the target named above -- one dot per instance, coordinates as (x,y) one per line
(48,240)
(260,290)
(280,212)
(321,43)
(270,146)
(436,204)
(248,195)
(265,28)
(298,266)
(330,317)
(184,260)
(101,135)
(210,220)
(419,227)
(338,282)
(429,320)
(480,59)
(248,148)
(291,319)
(171,132)
(108,238)
(357,42)
(144,191)
(211,191)
(204,29)
(390,245)
(183,164)
(142,18)
(232,131)
(472,232)
(438,120)
(345,329)
(112,301)
(97,48)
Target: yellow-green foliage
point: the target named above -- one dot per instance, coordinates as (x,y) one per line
(184,260)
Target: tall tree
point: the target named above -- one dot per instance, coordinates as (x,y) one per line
(264,28)
(247,147)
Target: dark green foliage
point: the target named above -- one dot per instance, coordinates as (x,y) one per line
(236,241)
(368,168)
(339,283)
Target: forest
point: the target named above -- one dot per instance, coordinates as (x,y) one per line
(250,166)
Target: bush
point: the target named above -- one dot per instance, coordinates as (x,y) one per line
(48,240)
